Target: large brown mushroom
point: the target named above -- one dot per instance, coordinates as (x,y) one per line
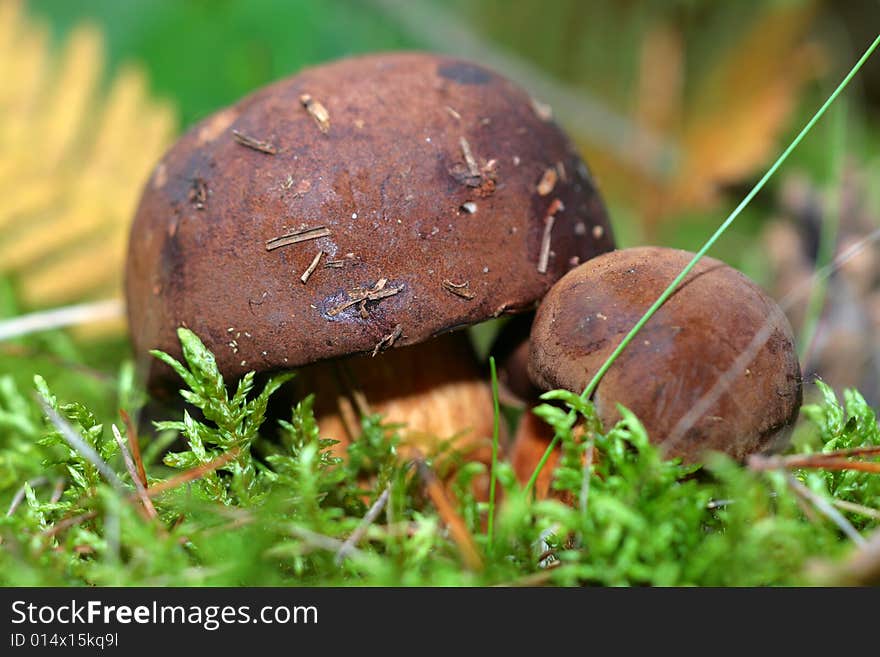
(714,369)
(365,207)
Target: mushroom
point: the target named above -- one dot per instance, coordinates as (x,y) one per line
(346,220)
(714,369)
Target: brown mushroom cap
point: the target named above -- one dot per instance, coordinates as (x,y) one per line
(383,153)
(714,368)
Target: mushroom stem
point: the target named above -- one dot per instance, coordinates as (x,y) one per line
(436,389)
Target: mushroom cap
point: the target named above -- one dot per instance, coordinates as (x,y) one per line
(382,153)
(714,368)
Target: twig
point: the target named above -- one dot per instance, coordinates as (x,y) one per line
(822,505)
(862,568)
(48,320)
(256,144)
(453,521)
(195,473)
(549,220)
(362,528)
(469,159)
(66,523)
(388,341)
(317,111)
(20,493)
(76,442)
(458,289)
(58,491)
(547,182)
(361,296)
(856,508)
(311,268)
(321,541)
(297,236)
(823,461)
(134,445)
(132,471)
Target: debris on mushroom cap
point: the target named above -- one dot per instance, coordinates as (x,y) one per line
(229,249)
(715,367)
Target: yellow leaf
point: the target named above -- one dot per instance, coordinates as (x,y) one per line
(74,161)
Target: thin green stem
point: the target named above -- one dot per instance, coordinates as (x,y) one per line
(530,486)
(591,386)
(496,430)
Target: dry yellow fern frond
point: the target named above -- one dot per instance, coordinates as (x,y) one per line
(73,161)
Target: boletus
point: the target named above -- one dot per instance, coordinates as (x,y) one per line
(347,220)
(714,369)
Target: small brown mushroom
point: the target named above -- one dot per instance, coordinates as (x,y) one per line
(424,224)
(714,369)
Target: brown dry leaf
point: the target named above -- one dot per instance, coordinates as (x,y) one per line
(732,126)
(74,161)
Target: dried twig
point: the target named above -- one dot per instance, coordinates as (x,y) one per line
(72,438)
(133,472)
(297,236)
(453,521)
(311,268)
(861,569)
(364,525)
(549,220)
(825,508)
(134,445)
(856,508)
(317,112)
(57,491)
(49,320)
(321,541)
(548,182)
(470,161)
(829,461)
(388,340)
(194,473)
(256,144)
(18,498)
(68,522)
(361,296)
(458,289)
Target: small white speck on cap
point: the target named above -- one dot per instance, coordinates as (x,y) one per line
(485,270)
(470,207)
(580,228)
(354,215)
(598,231)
